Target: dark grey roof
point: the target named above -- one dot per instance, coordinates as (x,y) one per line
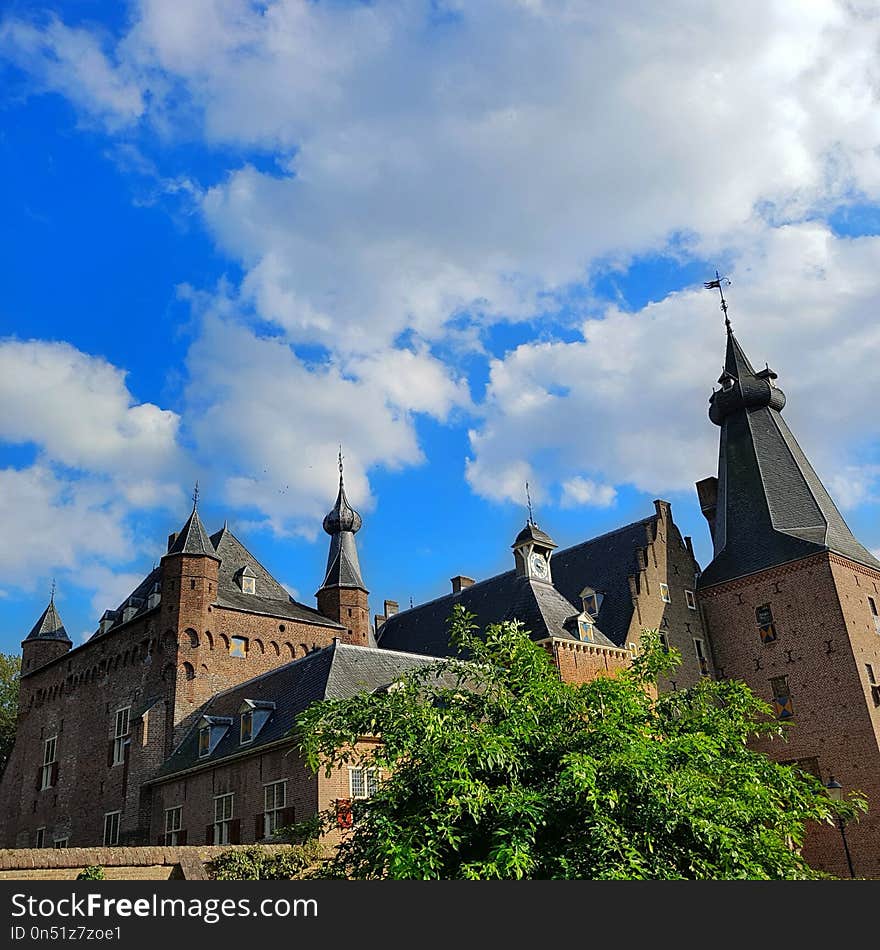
(545,612)
(604,563)
(772,507)
(342,523)
(336,672)
(531,532)
(49,626)
(193,539)
(270,598)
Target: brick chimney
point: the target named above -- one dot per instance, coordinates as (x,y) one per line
(460,582)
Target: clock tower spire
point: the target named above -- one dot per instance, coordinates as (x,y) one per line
(532,549)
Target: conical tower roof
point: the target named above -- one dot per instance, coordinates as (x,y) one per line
(772,507)
(193,538)
(49,626)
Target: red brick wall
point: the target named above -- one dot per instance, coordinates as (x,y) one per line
(825,635)
(582,662)
(349,607)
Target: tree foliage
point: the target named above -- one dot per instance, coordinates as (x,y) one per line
(494,768)
(10,671)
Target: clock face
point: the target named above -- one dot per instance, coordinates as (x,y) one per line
(539,565)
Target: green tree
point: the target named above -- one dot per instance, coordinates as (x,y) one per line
(493,768)
(10,670)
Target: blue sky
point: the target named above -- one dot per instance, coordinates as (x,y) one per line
(465,241)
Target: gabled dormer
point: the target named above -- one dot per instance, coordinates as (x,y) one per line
(253,715)
(211,731)
(246,579)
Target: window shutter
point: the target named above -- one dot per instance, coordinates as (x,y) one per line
(110,753)
(287,816)
(259,827)
(235,831)
(54,776)
(209,834)
(343,813)
(181,837)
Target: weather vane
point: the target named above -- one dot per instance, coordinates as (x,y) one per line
(340,461)
(718,284)
(196,495)
(52,594)
(529,502)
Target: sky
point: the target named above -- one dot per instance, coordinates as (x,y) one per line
(466,241)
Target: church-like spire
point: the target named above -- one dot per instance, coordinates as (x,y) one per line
(342,523)
(771,507)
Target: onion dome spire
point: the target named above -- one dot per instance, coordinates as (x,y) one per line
(342,523)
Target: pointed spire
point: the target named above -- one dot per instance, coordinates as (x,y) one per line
(193,538)
(342,523)
(52,594)
(49,626)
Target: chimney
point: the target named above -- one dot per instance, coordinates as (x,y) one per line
(707,492)
(460,582)
(171,539)
(391,608)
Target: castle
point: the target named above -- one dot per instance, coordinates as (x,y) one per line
(171,724)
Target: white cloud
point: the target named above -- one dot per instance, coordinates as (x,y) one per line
(627,402)
(584,491)
(73,63)
(77,409)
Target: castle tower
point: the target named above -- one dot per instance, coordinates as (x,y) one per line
(790,600)
(343,596)
(47,640)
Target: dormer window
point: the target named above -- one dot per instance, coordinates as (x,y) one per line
(247,727)
(247,580)
(586,629)
(238,646)
(591,600)
(254,715)
(211,731)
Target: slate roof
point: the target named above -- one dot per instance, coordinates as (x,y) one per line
(193,539)
(336,672)
(772,507)
(270,599)
(604,563)
(531,532)
(342,523)
(49,626)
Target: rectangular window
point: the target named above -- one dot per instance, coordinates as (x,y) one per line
(873,605)
(247,727)
(238,647)
(875,687)
(60,842)
(173,825)
(664,642)
(120,734)
(111,828)
(764,620)
(204,741)
(49,771)
(586,630)
(702,659)
(691,599)
(223,805)
(664,594)
(782,704)
(274,802)
(870,671)
(40,840)
(363,782)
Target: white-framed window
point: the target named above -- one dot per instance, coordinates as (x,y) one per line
(120,734)
(691,599)
(50,752)
(363,783)
(40,839)
(173,825)
(223,807)
(702,659)
(585,627)
(664,594)
(60,842)
(249,585)
(247,727)
(274,802)
(204,741)
(111,828)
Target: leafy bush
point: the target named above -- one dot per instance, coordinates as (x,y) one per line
(93,872)
(258,863)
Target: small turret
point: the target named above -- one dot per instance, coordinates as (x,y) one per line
(47,640)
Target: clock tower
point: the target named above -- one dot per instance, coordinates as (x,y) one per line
(531,551)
